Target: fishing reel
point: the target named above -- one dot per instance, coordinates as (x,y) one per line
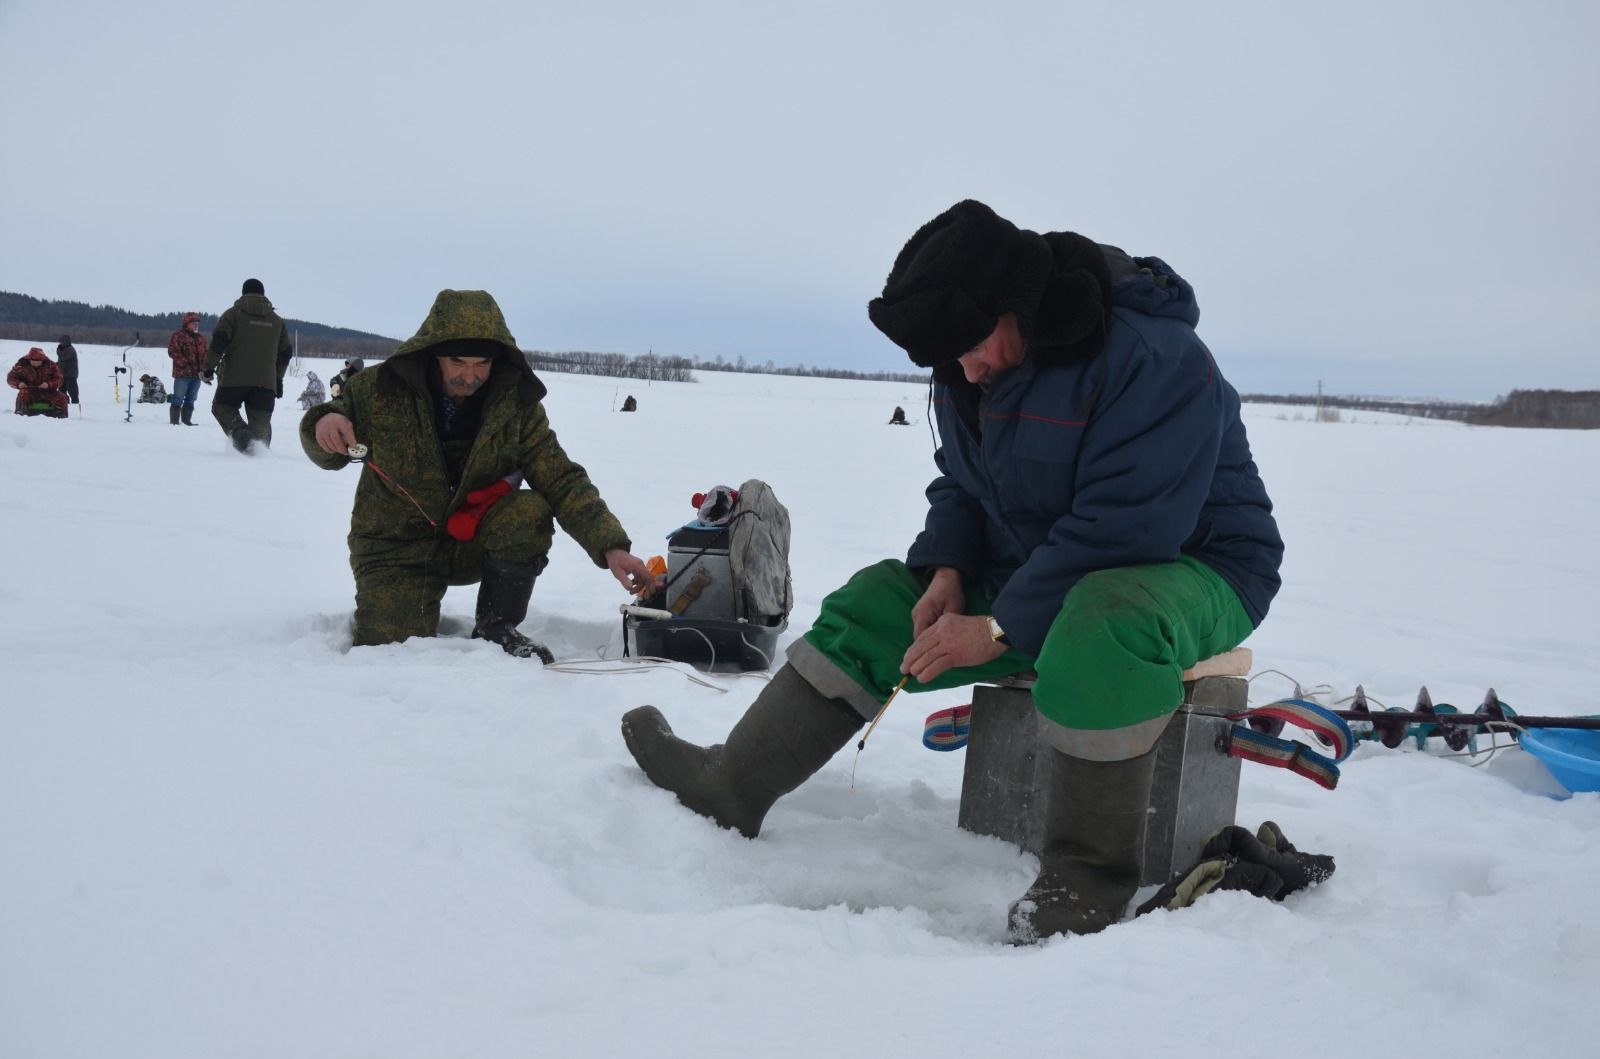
(357,452)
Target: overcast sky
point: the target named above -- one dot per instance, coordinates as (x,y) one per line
(1391,197)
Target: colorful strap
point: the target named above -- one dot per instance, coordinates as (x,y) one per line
(947,729)
(1250,745)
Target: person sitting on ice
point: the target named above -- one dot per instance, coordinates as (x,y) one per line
(1096,518)
(313,394)
(37,380)
(898,417)
(341,379)
(455,421)
(153,392)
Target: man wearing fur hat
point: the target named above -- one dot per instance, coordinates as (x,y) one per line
(439,504)
(250,352)
(1096,518)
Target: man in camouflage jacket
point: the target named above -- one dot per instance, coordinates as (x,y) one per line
(449,420)
(251,346)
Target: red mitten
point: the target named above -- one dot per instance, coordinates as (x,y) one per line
(463,525)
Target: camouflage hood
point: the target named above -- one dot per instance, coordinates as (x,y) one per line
(470,317)
(458,315)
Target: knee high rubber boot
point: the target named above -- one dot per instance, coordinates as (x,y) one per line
(188,415)
(230,420)
(260,426)
(1093,849)
(172,411)
(786,735)
(503,596)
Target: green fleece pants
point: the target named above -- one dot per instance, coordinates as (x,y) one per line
(400,583)
(1113,657)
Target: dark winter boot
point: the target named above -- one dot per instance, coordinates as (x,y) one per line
(172,411)
(260,426)
(242,438)
(787,734)
(503,596)
(1093,850)
(188,415)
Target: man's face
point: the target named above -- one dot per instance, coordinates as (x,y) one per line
(191,325)
(464,376)
(995,355)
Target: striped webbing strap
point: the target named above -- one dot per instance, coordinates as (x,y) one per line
(1247,743)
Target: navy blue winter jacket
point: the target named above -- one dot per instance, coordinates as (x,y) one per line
(1134,455)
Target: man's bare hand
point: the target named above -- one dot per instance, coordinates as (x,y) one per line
(952,641)
(630,571)
(944,596)
(335,434)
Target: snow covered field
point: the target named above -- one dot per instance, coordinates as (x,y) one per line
(223,833)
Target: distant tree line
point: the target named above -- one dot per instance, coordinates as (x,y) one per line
(647,366)
(39,320)
(1458,410)
(1558,409)
(769,368)
(663,368)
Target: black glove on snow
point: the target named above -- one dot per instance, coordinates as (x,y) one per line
(1265,864)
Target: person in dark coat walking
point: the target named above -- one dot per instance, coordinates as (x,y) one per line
(1097,518)
(67,361)
(250,352)
(187,348)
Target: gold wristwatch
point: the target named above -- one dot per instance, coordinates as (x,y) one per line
(997,634)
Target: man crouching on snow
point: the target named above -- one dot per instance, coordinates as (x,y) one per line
(452,420)
(1097,518)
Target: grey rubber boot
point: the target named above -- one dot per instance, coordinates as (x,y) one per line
(503,596)
(1093,848)
(786,735)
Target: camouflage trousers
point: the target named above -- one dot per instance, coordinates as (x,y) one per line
(28,396)
(400,582)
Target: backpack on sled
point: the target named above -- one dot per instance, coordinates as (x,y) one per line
(728,592)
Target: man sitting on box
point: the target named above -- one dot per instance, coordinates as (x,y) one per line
(1097,518)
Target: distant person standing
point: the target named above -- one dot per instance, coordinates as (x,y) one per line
(250,351)
(187,348)
(67,361)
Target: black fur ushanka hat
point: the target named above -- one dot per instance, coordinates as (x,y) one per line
(969,266)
